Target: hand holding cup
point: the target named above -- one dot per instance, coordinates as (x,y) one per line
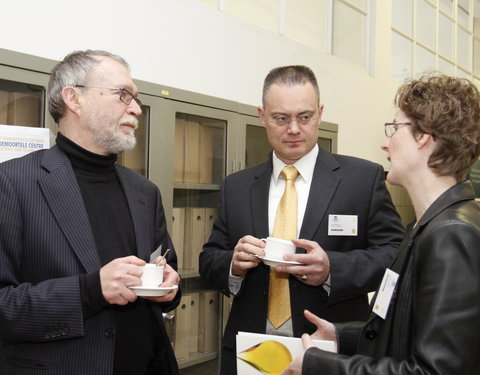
(276,248)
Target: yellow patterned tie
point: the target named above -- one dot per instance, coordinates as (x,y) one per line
(285,227)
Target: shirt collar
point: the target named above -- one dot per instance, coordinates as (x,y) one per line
(305,165)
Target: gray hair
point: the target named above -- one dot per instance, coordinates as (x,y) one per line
(73,70)
(289,75)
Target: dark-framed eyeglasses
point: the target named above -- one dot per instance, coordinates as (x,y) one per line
(125,95)
(392,127)
(282,120)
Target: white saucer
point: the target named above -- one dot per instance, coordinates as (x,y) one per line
(152,292)
(272,262)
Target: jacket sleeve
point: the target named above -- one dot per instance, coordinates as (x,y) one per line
(36,312)
(348,336)
(446,316)
(217,253)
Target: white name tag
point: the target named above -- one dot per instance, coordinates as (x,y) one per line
(342,225)
(385,293)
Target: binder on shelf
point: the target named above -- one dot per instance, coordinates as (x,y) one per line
(179,152)
(181,328)
(192,143)
(194,311)
(210,215)
(178,233)
(208,321)
(206,155)
(194,236)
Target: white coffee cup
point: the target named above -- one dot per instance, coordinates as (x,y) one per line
(276,248)
(152,275)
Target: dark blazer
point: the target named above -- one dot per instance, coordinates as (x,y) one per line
(433,322)
(46,242)
(341,185)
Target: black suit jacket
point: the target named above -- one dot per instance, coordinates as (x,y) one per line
(433,322)
(341,185)
(46,242)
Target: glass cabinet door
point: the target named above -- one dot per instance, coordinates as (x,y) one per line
(137,158)
(257,147)
(200,147)
(199,168)
(21,104)
(328,136)
(23,92)
(199,151)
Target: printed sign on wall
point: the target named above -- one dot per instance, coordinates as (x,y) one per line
(16,141)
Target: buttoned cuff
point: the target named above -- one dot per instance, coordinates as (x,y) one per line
(234,282)
(326,285)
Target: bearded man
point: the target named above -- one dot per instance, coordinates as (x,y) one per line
(75,229)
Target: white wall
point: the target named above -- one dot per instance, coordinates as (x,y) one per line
(192,46)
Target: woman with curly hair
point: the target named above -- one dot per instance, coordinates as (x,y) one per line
(426,313)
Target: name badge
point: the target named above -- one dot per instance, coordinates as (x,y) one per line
(342,225)
(384,295)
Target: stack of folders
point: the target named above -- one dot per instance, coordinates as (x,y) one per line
(196,324)
(191,228)
(194,147)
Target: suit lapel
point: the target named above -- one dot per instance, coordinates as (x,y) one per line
(136,203)
(259,199)
(322,189)
(64,198)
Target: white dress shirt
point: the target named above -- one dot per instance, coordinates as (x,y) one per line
(305,167)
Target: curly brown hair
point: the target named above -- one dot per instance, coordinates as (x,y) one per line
(448,108)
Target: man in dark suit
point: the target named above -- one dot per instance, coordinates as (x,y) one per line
(75,229)
(348,230)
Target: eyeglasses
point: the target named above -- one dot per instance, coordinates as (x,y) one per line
(125,95)
(392,127)
(281,120)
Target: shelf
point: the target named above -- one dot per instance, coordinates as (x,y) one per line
(189,186)
(196,358)
(188,273)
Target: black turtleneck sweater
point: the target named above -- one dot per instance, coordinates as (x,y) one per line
(112,228)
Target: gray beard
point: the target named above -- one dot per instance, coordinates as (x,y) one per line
(114,144)
(109,138)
